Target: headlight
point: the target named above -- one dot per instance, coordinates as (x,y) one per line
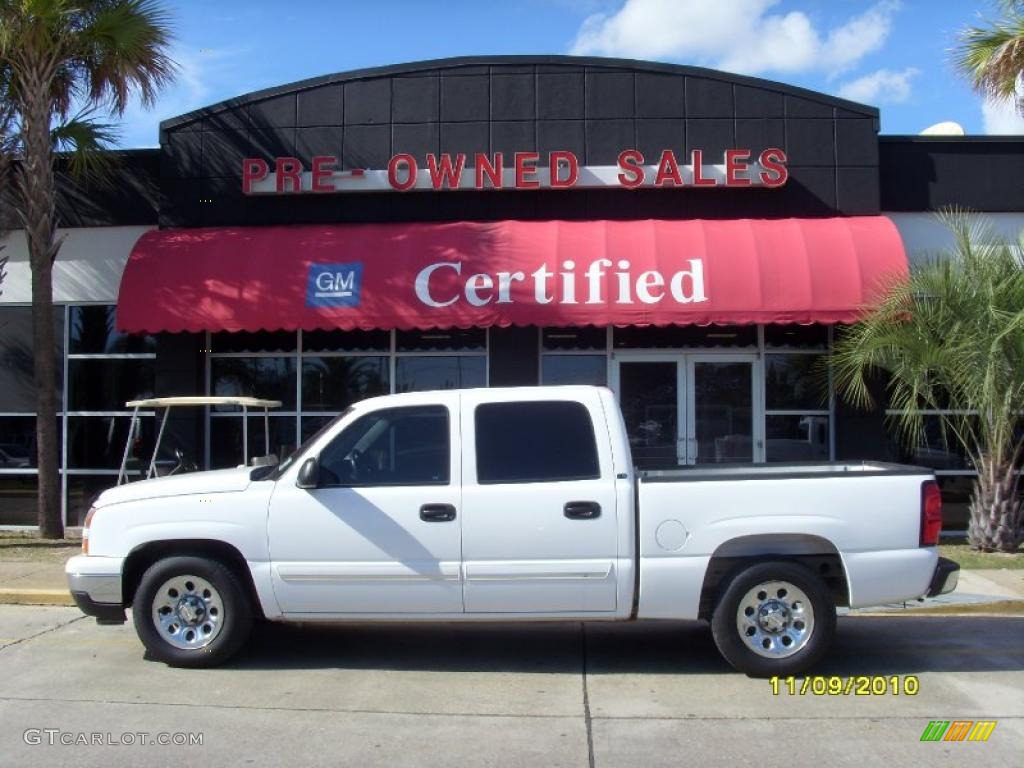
(85,530)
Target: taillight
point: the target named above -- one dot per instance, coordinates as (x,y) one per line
(85,530)
(931,513)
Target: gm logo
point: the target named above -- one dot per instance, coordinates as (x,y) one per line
(334,285)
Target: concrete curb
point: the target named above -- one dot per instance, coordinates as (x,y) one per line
(9,596)
(993,608)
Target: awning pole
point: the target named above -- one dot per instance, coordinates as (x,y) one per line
(156,447)
(128,446)
(245,435)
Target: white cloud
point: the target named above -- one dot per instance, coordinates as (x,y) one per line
(736,35)
(885,86)
(1002,117)
(201,78)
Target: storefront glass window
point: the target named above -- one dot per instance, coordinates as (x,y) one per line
(98,442)
(17,385)
(106,384)
(270,378)
(226,439)
(796,382)
(574,369)
(91,331)
(796,336)
(442,340)
(414,374)
(262,341)
(334,383)
(18,494)
(346,341)
(18,442)
(797,438)
(584,338)
(672,336)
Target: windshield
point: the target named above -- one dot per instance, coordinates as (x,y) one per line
(281,468)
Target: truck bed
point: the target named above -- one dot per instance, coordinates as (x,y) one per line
(789,471)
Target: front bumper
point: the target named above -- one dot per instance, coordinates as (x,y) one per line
(945,578)
(95,584)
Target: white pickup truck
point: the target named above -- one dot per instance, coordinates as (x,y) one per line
(507,505)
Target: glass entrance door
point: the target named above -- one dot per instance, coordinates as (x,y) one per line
(689,408)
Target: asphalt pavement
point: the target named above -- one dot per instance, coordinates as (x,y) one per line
(651,694)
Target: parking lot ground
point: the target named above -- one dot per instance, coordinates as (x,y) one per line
(495,695)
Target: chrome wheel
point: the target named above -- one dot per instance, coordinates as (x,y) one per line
(775,619)
(188,612)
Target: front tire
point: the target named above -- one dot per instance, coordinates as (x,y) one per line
(774,618)
(191,612)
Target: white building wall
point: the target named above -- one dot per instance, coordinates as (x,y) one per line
(88,267)
(924,235)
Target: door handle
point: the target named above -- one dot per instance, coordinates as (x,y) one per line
(582,510)
(437,513)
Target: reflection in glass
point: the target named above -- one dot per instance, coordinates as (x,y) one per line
(98,442)
(270,378)
(937,448)
(18,442)
(672,336)
(723,420)
(93,332)
(416,374)
(648,393)
(796,438)
(17,377)
(82,492)
(574,369)
(106,385)
(226,439)
(795,382)
(18,504)
(334,383)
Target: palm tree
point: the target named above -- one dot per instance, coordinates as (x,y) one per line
(56,57)
(992,55)
(951,338)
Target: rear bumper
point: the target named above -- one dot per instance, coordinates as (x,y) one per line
(95,584)
(945,578)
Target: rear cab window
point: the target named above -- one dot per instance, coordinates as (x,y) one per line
(535,442)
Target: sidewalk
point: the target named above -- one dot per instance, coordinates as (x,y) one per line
(35,582)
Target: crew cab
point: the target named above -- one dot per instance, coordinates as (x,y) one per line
(507,505)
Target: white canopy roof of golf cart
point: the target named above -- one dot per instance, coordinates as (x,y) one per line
(167,402)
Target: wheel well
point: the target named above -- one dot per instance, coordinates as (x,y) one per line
(142,557)
(735,555)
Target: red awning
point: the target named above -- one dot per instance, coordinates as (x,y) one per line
(466,274)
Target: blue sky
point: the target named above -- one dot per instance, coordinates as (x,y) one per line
(893,54)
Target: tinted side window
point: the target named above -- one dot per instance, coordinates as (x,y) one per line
(534,442)
(395,446)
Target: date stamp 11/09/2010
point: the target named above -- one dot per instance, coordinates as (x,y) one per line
(856,685)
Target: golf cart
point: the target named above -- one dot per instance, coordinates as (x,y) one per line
(167,403)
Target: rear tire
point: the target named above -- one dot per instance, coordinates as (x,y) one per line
(774,618)
(191,612)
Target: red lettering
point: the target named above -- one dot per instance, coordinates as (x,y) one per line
(573,166)
(774,171)
(697,162)
(410,172)
(668,170)
(322,171)
(253,169)
(288,169)
(631,162)
(735,164)
(484,167)
(444,174)
(523,170)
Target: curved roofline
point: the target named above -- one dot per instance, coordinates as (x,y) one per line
(471,61)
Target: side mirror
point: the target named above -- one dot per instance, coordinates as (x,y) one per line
(309,474)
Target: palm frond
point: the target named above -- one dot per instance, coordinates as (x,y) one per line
(992,56)
(83,141)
